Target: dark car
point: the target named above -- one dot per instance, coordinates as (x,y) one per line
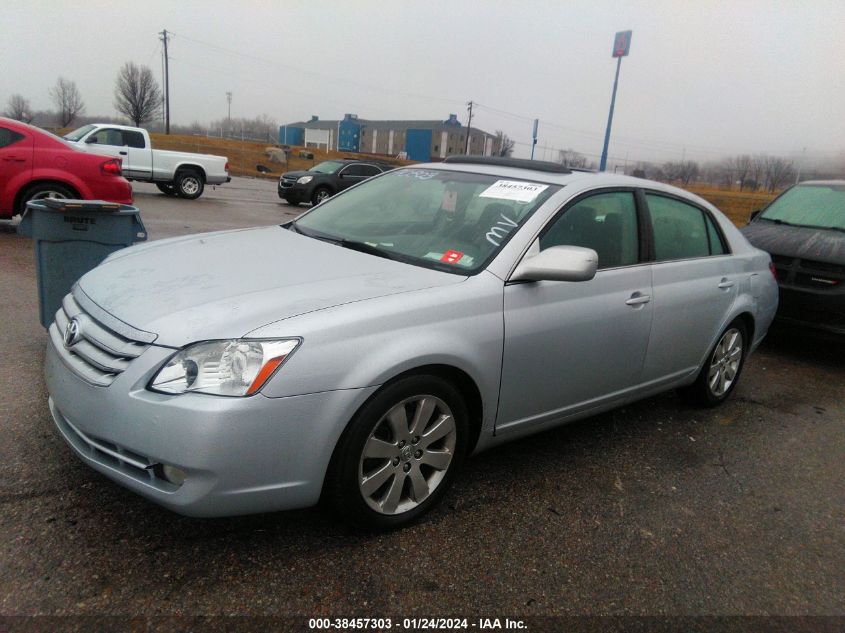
(326,179)
(803,230)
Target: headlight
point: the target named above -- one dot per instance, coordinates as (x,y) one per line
(237,367)
(304,180)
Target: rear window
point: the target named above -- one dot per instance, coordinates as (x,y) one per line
(9,137)
(133,139)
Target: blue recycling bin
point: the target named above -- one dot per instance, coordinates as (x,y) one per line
(72,237)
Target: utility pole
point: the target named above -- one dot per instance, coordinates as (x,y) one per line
(469,127)
(534,137)
(164,37)
(800,165)
(621,47)
(229,118)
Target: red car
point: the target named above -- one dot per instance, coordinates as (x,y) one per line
(35,164)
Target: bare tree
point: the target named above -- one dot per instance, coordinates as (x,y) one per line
(19,109)
(779,171)
(502,144)
(571,158)
(69,103)
(136,93)
(756,173)
(683,170)
(743,166)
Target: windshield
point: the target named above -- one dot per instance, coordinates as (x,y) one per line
(446,220)
(327,167)
(78,134)
(818,206)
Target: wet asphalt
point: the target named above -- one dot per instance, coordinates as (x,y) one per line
(654,509)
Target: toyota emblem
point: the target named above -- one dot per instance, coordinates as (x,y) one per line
(72,333)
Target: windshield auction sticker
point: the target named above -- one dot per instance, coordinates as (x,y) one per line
(513,190)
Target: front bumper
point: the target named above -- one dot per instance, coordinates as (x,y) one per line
(240,455)
(819,310)
(295,193)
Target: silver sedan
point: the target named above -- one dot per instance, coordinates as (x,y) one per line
(360,353)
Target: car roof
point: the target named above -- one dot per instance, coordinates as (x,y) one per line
(822,182)
(116,126)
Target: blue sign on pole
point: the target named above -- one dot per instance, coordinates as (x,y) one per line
(621,46)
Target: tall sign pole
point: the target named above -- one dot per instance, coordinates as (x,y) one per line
(621,48)
(469,127)
(534,137)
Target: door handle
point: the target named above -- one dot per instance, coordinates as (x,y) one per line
(638,299)
(13,159)
(725,283)
(123,153)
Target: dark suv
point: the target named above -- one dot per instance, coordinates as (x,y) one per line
(326,179)
(804,231)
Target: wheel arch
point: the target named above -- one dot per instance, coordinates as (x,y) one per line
(44,181)
(457,377)
(190,167)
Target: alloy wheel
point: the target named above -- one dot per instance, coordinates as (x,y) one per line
(724,364)
(407,455)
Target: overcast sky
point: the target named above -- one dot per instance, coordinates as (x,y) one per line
(703,79)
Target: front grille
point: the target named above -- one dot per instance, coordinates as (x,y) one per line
(131,464)
(98,355)
(287,183)
(807,273)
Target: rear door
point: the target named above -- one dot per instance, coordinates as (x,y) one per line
(695,283)
(569,346)
(16,150)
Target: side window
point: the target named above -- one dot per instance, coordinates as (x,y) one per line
(108,136)
(369,170)
(680,231)
(133,139)
(351,170)
(716,246)
(605,222)
(7,137)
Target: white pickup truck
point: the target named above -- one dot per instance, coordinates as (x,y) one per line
(174,173)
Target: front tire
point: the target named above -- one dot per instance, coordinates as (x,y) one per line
(320,194)
(399,454)
(720,374)
(45,190)
(189,184)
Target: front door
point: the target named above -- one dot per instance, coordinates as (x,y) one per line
(570,346)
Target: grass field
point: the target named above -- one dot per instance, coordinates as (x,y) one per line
(737,205)
(245,155)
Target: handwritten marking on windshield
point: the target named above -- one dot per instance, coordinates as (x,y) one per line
(499,230)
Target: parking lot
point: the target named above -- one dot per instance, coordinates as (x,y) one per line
(657,508)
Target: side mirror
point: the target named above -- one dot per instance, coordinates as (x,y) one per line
(91,139)
(754,214)
(558,263)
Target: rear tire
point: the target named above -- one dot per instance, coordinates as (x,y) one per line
(167,188)
(45,190)
(720,374)
(189,184)
(409,439)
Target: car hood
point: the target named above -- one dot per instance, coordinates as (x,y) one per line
(298,174)
(224,285)
(821,245)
